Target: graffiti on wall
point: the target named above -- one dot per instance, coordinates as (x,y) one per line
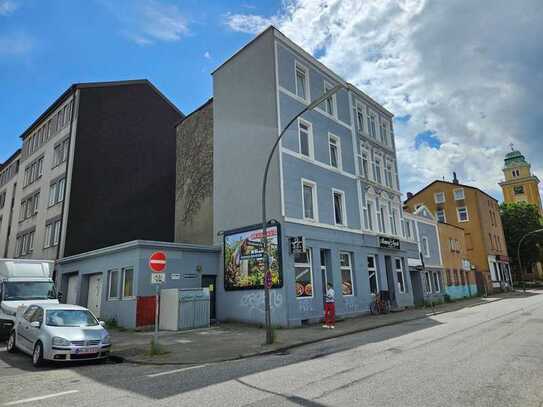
(254,301)
(305,306)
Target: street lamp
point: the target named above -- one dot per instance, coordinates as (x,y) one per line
(267,277)
(518,255)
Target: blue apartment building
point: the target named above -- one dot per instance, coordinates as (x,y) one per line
(333,182)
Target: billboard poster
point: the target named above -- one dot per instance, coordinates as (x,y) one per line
(243,260)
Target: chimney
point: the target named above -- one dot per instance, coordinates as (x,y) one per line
(455,180)
(409,195)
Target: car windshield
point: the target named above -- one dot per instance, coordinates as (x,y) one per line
(29,290)
(70,317)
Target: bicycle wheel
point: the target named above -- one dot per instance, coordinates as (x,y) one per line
(386,307)
(374,309)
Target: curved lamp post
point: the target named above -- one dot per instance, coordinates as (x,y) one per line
(267,278)
(518,255)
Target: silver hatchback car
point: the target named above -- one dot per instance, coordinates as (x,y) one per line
(59,332)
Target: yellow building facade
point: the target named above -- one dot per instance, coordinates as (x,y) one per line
(520,184)
(479,215)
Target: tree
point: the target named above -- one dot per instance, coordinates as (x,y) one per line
(518,219)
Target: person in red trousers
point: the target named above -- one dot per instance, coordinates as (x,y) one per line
(329,308)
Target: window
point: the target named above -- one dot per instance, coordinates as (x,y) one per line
(368,215)
(439,197)
(56,191)
(380,216)
(372,275)
(24,244)
(60,152)
(463,215)
(388,174)
(440,215)
(392,219)
(33,171)
(29,206)
(305,138)
(346,267)
(427,283)
(458,194)
(437,284)
(371,125)
(384,132)
(425,247)
(324,272)
(303,274)
(360,118)
(377,169)
(339,207)
(329,104)
(301,82)
(365,165)
(309,200)
(128,282)
(52,234)
(335,151)
(407,229)
(515,173)
(113,283)
(399,275)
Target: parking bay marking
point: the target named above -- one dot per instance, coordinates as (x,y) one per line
(15,403)
(176,371)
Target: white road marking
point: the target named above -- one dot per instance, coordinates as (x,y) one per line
(14,403)
(176,371)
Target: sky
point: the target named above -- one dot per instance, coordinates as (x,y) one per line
(463,78)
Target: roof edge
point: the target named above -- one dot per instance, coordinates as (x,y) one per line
(449,183)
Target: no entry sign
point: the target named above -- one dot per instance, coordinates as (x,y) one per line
(157,262)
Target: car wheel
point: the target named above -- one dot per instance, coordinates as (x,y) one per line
(11,348)
(37,355)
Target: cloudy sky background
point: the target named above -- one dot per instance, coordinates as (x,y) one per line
(464,78)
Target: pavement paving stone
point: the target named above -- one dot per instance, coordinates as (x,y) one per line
(228,341)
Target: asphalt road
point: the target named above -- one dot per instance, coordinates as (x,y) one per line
(490,355)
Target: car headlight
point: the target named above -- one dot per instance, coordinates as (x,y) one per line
(106,340)
(58,341)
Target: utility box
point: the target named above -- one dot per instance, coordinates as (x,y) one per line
(182,309)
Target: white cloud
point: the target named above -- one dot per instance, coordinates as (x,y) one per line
(249,23)
(470,73)
(14,44)
(7,7)
(147,21)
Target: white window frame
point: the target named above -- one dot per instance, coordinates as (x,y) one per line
(439,194)
(305,265)
(442,211)
(383,137)
(343,207)
(428,283)
(328,86)
(435,277)
(458,214)
(365,156)
(310,144)
(302,68)
(367,213)
(332,138)
(109,278)
(350,269)
(377,169)
(123,277)
(456,198)
(389,173)
(359,109)
(372,128)
(373,270)
(425,243)
(400,270)
(313,185)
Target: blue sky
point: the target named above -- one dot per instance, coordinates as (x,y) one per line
(45,46)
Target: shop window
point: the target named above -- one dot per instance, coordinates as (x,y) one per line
(303,274)
(346,274)
(372,275)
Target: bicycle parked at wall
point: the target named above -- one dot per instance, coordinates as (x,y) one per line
(380,304)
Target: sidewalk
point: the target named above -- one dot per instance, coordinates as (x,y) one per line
(230,341)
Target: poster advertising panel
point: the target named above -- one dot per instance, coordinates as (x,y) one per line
(243,258)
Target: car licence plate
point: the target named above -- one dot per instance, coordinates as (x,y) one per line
(86,350)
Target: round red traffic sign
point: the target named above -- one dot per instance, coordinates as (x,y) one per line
(157,262)
(268,282)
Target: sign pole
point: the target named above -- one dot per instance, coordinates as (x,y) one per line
(156,315)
